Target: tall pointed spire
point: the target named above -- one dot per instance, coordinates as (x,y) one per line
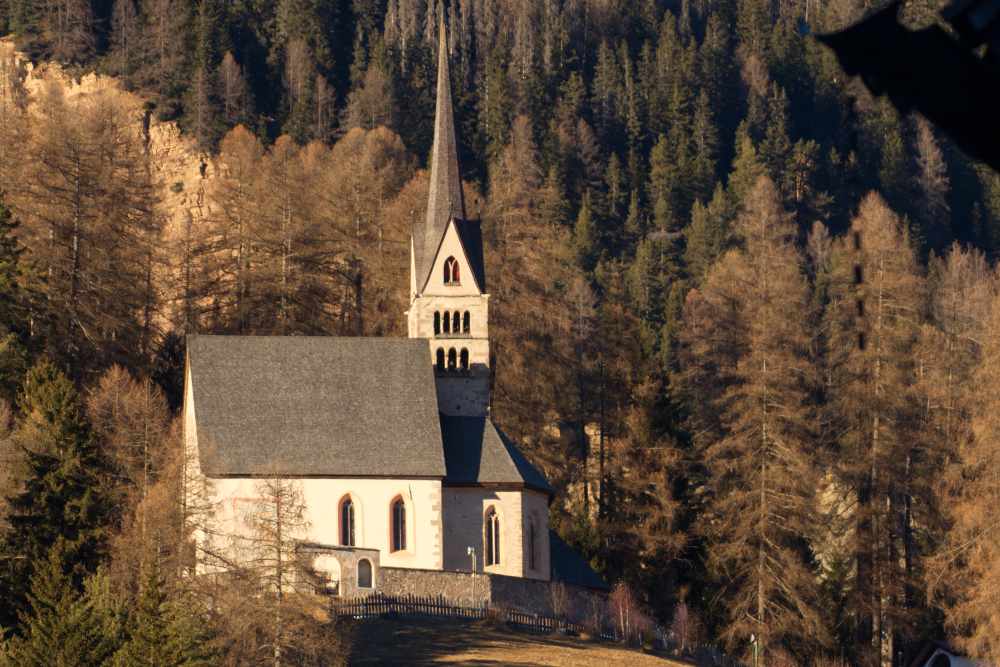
(445,200)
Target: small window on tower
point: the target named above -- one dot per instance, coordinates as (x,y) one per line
(452,359)
(437,323)
(466,321)
(447,322)
(456,322)
(440,359)
(451,276)
(464,359)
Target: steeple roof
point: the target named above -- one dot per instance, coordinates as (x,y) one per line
(445,200)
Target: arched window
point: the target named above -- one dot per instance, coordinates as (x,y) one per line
(456,322)
(347,522)
(440,359)
(451,276)
(447,322)
(364,573)
(492,527)
(466,322)
(451,359)
(532,546)
(437,323)
(398,513)
(464,359)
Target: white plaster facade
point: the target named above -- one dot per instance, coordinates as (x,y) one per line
(442,522)
(465,510)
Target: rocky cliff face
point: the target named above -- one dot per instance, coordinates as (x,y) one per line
(181,171)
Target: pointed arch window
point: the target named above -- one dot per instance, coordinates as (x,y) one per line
(456,322)
(451,275)
(452,359)
(437,323)
(398,512)
(447,322)
(464,359)
(532,546)
(466,322)
(492,529)
(440,359)
(347,522)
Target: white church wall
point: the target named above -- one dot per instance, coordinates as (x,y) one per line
(464,513)
(535,507)
(372,499)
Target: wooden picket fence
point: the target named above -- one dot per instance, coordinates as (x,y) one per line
(379,605)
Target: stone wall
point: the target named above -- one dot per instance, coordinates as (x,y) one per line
(345,561)
(541,597)
(464,588)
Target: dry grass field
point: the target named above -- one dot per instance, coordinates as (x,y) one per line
(445,642)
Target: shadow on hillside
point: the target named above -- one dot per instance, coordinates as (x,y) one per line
(397,642)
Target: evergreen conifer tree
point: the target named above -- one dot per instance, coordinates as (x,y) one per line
(585,236)
(63,500)
(13,309)
(60,627)
(164,632)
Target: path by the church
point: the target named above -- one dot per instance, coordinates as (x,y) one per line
(404,642)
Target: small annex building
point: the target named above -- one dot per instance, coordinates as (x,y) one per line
(408,485)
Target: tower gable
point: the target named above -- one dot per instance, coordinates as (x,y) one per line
(455,247)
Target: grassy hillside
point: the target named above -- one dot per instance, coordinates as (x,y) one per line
(405,642)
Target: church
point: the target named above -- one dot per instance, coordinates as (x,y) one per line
(408,485)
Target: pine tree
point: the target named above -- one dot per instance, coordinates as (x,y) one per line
(708,234)
(165,632)
(585,237)
(14,311)
(705,140)
(750,376)
(747,168)
(553,208)
(63,499)
(60,627)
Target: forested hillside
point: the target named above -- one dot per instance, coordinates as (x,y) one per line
(744,315)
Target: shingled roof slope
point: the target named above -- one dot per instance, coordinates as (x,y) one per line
(471,234)
(569,567)
(476,452)
(445,200)
(315,406)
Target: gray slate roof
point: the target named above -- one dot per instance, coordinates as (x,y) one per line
(471,234)
(569,567)
(445,200)
(476,452)
(320,406)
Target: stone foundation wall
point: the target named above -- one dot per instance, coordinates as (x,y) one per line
(575,603)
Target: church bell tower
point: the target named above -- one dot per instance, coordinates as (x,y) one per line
(449,304)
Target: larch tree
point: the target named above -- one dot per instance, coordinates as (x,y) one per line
(876,301)
(277,522)
(750,376)
(970,557)
(131,420)
(230,249)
